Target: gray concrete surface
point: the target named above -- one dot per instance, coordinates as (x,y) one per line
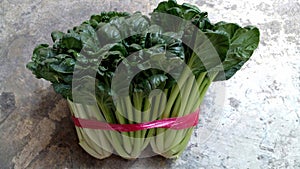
(256,126)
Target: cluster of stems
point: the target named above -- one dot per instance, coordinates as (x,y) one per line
(180,100)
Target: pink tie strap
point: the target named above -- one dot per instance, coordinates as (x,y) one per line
(176,123)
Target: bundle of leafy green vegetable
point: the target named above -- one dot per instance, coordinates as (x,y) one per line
(95,50)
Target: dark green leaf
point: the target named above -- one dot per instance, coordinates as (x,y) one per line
(243,43)
(56,35)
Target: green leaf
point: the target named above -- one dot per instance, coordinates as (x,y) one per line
(63,89)
(209,52)
(56,35)
(243,42)
(99,45)
(66,66)
(71,41)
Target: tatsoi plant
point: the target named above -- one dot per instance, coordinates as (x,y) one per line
(121,68)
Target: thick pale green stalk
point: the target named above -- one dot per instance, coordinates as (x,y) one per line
(160,133)
(146,110)
(175,91)
(137,101)
(92,111)
(116,141)
(129,110)
(88,144)
(170,135)
(204,87)
(174,101)
(177,150)
(122,120)
(177,136)
(176,141)
(155,140)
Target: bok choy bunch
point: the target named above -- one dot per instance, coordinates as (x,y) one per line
(123,68)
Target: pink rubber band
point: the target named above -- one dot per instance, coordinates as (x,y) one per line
(176,123)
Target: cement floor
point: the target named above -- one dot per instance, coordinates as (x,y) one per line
(256,126)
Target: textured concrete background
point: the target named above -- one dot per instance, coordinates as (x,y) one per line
(256,126)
